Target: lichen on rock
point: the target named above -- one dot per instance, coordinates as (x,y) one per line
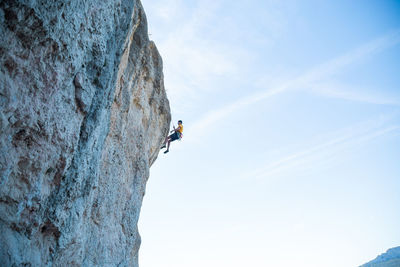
(83,114)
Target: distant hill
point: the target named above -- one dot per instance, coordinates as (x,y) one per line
(389,259)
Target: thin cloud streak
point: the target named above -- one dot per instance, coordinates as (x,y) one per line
(324,150)
(341,91)
(304,80)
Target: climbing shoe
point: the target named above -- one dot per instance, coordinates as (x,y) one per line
(166,151)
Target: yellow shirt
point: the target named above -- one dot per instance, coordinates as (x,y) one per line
(180,129)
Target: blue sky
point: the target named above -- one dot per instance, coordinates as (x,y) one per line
(291,147)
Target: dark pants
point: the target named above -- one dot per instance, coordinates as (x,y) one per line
(174,136)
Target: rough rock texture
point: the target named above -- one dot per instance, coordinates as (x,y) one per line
(389,259)
(83,113)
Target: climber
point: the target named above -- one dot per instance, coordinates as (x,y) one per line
(177,134)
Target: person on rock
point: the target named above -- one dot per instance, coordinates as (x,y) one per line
(177,134)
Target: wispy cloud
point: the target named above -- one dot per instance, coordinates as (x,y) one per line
(199,44)
(352,93)
(363,51)
(193,60)
(343,140)
(307,80)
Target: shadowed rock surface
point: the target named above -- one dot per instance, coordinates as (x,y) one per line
(83,113)
(389,259)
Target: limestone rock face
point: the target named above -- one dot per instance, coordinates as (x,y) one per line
(83,114)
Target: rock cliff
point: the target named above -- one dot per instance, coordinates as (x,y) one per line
(83,113)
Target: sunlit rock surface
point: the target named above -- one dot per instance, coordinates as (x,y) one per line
(83,114)
(389,259)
